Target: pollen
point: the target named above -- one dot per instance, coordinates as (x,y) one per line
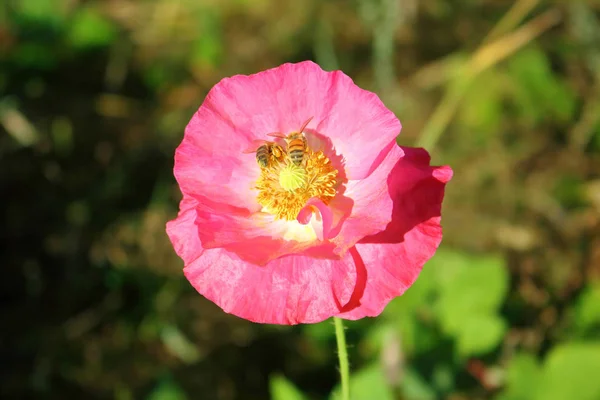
(284,187)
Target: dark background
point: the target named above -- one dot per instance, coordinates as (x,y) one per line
(94,97)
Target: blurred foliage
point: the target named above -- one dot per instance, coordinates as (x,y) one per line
(94,96)
(282,389)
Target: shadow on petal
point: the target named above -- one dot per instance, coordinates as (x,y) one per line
(320,142)
(417,190)
(360,284)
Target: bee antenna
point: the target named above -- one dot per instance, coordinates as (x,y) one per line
(305,124)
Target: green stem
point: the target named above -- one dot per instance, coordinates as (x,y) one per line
(340,337)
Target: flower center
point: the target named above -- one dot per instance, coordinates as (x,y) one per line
(292,177)
(285,185)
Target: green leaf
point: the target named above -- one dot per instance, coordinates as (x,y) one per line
(415,387)
(569,191)
(477,286)
(207,49)
(282,389)
(587,310)
(91,29)
(155,75)
(482,110)
(41,11)
(377,336)
(167,389)
(442,377)
(417,335)
(367,384)
(448,263)
(319,332)
(471,290)
(35,55)
(522,377)
(538,91)
(571,372)
(479,334)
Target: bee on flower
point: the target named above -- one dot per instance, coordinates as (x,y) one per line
(295,144)
(268,153)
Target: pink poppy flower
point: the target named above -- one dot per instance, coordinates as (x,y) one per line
(337,222)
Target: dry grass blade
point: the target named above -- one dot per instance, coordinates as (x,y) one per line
(17,125)
(582,132)
(511,19)
(484,58)
(498,50)
(439,71)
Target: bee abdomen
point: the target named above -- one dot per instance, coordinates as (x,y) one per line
(296,155)
(296,149)
(262,156)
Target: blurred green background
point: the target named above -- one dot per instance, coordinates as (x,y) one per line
(94,97)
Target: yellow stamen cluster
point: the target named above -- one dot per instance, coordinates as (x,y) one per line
(284,188)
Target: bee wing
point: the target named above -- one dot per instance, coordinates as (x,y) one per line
(277,135)
(256,143)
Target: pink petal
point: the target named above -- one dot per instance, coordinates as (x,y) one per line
(289,290)
(393,258)
(371,204)
(243,108)
(257,238)
(210,164)
(183,231)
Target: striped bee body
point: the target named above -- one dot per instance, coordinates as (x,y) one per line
(267,153)
(296,147)
(262,155)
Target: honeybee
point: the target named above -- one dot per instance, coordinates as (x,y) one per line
(267,152)
(295,143)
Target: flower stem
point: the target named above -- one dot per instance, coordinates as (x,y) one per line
(340,337)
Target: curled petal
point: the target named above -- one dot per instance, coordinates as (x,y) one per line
(321,224)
